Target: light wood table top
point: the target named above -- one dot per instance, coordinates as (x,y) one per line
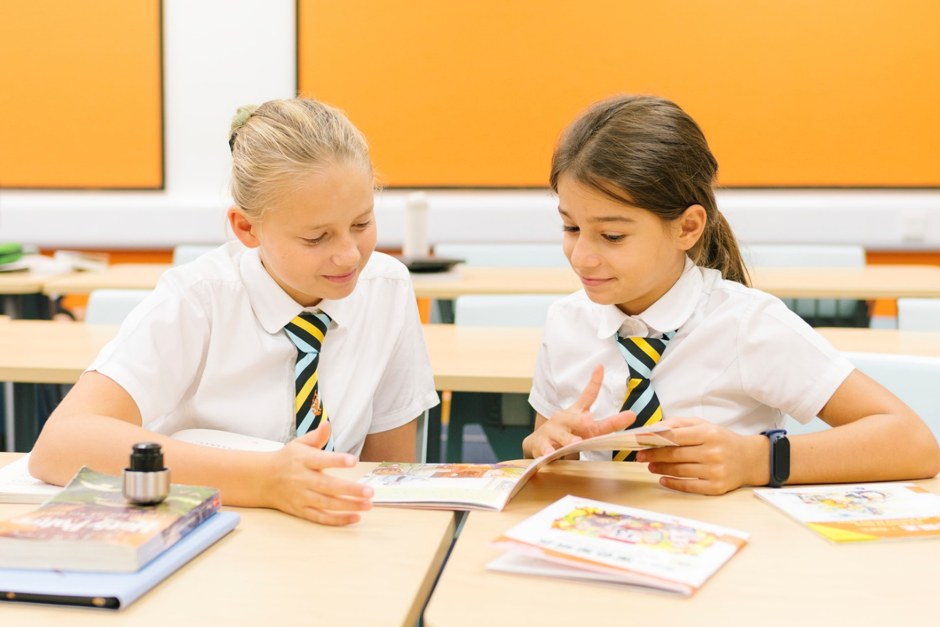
(866,283)
(274,569)
(463,359)
(119,276)
(785,575)
(29,282)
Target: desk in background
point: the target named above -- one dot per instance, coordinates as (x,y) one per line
(866,283)
(463,359)
(786,575)
(274,569)
(118,276)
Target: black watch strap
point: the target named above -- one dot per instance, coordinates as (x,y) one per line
(779,457)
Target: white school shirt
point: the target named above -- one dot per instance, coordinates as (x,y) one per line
(740,358)
(207,350)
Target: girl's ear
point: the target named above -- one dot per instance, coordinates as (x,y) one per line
(690,226)
(243,227)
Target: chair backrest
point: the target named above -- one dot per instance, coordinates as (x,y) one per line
(919,314)
(909,377)
(505,255)
(503,310)
(184,253)
(802,256)
(112,306)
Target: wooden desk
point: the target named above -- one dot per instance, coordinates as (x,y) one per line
(119,276)
(866,283)
(869,282)
(785,575)
(463,359)
(274,569)
(13,283)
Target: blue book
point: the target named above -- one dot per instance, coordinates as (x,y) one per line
(112,590)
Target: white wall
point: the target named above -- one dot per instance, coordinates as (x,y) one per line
(220,54)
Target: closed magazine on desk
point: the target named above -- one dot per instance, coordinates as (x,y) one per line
(112,590)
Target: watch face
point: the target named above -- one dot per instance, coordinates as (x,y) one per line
(781,459)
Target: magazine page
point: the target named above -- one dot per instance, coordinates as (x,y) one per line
(637,546)
(489,486)
(459,486)
(861,512)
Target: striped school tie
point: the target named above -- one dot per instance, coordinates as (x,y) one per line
(306,331)
(642,354)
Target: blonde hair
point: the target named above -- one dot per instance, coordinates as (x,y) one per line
(275,144)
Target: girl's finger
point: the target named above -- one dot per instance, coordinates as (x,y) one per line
(324,502)
(691,471)
(334,486)
(617,422)
(593,388)
(315,459)
(329,518)
(690,486)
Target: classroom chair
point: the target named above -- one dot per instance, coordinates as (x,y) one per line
(506,419)
(184,253)
(841,312)
(912,378)
(112,306)
(919,314)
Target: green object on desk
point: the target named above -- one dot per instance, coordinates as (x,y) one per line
(10,253)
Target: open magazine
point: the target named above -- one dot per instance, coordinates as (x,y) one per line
(582,539)
(861,512)
(488,486)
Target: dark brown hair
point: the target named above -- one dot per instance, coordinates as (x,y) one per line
(647,152)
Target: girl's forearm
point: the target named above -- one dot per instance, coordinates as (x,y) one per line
(883,447)
(104,444)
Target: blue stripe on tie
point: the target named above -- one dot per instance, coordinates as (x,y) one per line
(643,401)
(303,362)
(307,422)
(300,344)
(641,369)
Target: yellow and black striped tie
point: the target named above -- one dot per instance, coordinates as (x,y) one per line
(306,331)
(642,354)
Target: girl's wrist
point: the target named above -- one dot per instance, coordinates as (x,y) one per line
(759,464)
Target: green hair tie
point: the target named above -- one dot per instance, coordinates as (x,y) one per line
(238,121)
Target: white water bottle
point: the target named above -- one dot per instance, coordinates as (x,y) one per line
(415,244)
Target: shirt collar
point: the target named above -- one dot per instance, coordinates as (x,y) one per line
(668,313)
(271,304)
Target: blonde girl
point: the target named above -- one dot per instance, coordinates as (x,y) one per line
(297,332)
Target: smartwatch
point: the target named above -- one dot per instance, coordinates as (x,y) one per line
(779,457)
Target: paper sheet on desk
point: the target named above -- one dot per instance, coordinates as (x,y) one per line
(18,486)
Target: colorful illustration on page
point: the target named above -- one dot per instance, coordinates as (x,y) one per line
(665,536)
(846,504)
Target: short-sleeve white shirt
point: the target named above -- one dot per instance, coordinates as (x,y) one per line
(740,359)
(207,350)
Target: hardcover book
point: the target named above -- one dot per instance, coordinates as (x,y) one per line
(90,526)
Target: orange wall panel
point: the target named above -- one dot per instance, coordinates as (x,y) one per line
(795,93)
(80,94)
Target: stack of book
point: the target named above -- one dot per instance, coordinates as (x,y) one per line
(87,545)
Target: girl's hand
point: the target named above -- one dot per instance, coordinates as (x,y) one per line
(575,423)
(709,459)
(295,484)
